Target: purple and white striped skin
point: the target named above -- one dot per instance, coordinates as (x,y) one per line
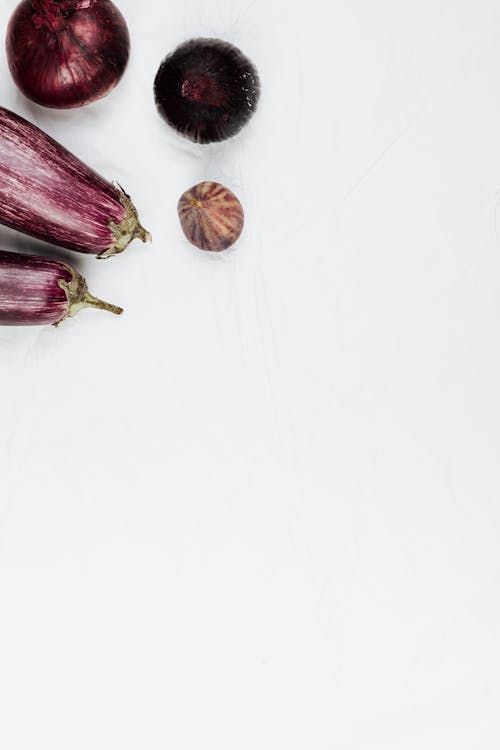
(48,193)
(41,291)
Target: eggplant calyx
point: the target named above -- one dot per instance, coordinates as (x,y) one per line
(127,230)
(79,297)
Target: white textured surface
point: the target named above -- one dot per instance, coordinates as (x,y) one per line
(262,509)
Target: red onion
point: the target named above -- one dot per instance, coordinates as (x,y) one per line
(207,90)
(48,193)
(67,53)
(42,291)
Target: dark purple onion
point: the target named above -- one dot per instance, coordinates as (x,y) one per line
(48,193)
(42,291)
(67,53)
(207,90)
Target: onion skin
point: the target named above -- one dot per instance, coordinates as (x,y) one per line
(207,90)
(42,291)
(48,193)
(67,53)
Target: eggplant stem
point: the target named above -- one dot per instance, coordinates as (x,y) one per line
(79,297)
(127,230)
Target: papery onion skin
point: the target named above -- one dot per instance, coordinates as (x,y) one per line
(67,53)
(207,90)
(42,291)
(48,193)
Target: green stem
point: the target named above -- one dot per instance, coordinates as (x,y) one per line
(79,297)
(127,230)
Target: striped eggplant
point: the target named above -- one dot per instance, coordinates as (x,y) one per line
(42,291)
(48,193)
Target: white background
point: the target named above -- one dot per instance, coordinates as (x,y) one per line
(261,509)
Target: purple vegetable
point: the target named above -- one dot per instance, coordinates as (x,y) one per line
(41,291)
(207,90)
(48,193)
(67,53)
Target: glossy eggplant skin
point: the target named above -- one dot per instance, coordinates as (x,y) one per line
(48,193)
(41,291)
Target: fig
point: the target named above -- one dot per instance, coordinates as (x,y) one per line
(211,216)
